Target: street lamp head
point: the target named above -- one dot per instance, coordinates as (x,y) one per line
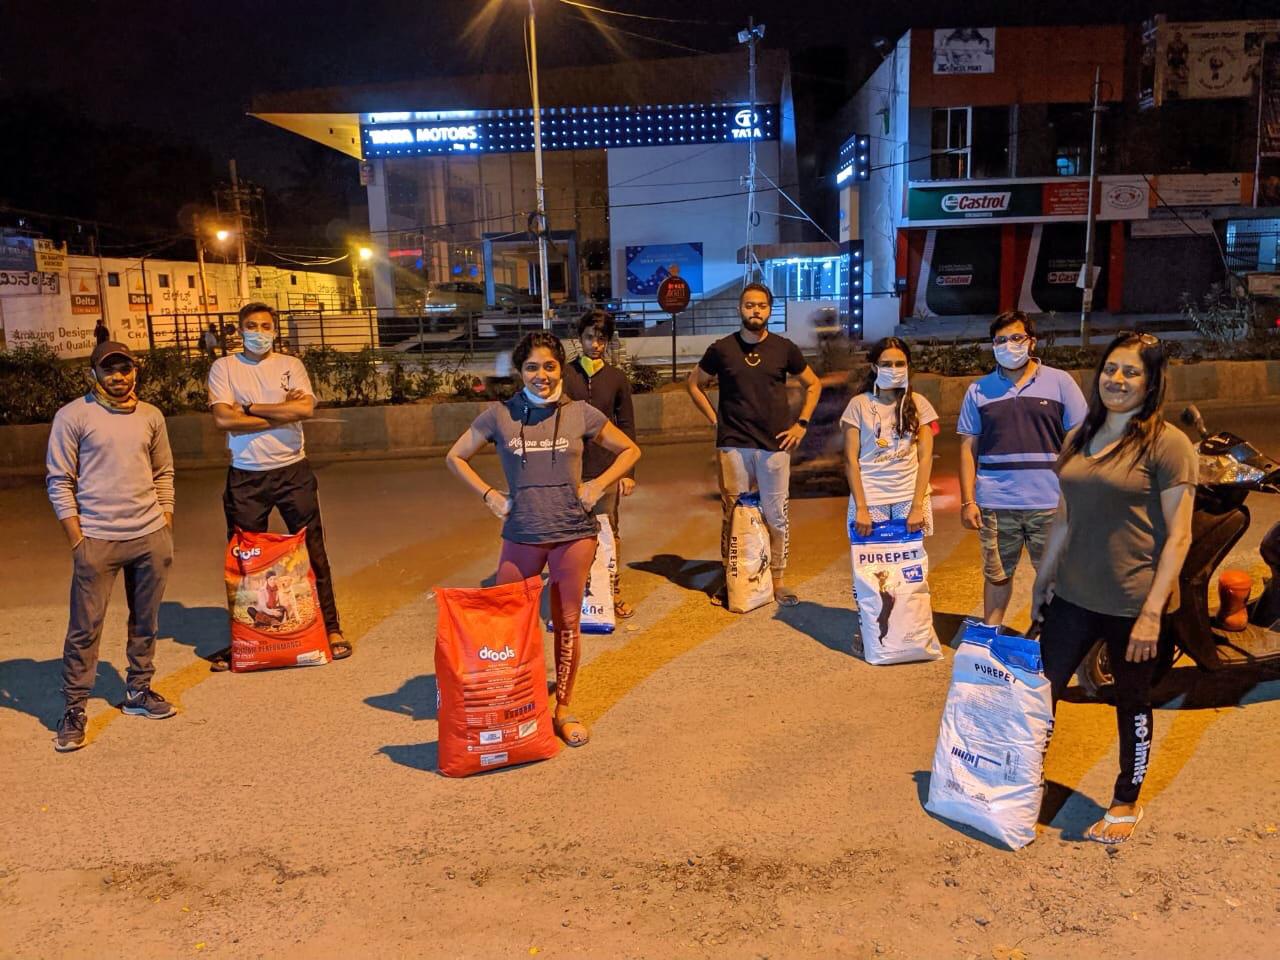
(366,253)
(222,235)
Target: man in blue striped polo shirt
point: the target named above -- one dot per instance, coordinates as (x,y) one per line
(1012,425)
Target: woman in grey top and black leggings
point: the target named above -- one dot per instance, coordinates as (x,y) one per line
(1113,556)
(547,523)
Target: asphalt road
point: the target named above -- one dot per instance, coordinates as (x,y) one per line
(751,788)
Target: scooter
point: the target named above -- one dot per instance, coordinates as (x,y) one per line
(1230,470)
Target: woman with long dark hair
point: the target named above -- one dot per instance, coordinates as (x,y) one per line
(546,512)
(1112,559)
(888,444)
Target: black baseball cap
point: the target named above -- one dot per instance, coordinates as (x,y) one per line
(108,349)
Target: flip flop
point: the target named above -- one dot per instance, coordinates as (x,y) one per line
(1109,819)
(220,662)
(719,599)
(340,648)
(561,726)
(785,597)
(623,610)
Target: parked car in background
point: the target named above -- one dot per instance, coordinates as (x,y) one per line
(454,299)
(514,300)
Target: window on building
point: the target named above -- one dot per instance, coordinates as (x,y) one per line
(1069,129)
(1253,245)
(990,147)
(191,281)
(257,282)
(293,279)
(952,135)
(113,279)
(163,280)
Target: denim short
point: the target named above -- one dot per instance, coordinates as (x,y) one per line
(1003,535)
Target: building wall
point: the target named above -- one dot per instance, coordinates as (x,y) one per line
(1032,64)
(661,195)
(62,310)
(880,110)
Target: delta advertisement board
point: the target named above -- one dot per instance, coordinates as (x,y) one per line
(1026,201)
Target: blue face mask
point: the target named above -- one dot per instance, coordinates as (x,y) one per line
(257,342)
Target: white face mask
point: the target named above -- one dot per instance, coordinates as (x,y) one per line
(1013,356)
(257,342)
(891,378)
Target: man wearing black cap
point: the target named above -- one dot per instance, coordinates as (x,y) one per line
(110,480)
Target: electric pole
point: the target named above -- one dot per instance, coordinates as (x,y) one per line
(752,35)
(1086,276)
(540,197)
(242,266)
(198,229)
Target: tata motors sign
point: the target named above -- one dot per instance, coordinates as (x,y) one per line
(1026,201)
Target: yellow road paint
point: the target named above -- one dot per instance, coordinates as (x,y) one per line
(604,681)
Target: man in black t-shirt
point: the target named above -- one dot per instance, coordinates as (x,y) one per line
(755,432)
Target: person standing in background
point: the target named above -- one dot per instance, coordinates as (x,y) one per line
(590,377)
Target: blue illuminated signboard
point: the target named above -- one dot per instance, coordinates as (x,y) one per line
(649,265)
(565,128)
(854,160)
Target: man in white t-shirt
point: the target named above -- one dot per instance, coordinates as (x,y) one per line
(259,398)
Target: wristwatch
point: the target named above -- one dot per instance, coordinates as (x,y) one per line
(803,422)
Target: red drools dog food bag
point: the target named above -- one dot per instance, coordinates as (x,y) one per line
(275,610)
(491,678)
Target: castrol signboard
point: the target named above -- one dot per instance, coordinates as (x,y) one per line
(975,204)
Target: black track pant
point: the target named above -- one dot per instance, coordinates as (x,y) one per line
(1068,634)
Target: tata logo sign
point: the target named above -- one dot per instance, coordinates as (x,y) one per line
(975,202)
(406,135)
(746,125)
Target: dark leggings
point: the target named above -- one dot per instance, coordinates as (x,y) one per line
(1068,634)
(569,564)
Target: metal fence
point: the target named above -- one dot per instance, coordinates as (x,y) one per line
(315,326)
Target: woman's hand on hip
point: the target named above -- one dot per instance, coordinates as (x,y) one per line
(1144,638)
(499,503)
(589,494)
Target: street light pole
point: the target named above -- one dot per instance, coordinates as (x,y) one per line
(1086,299)
(540,196)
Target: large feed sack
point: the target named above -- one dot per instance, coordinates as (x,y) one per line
(491,678)
(597,599)
(891,591)
(748,579)
(275,609)
(988,767)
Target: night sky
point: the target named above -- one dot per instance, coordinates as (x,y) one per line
(186,71)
